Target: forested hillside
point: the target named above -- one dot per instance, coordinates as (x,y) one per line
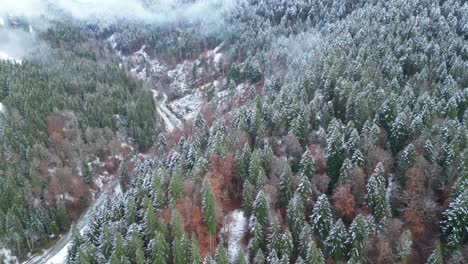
(259,131)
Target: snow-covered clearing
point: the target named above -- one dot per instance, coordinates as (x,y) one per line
(234,227)
(188,106)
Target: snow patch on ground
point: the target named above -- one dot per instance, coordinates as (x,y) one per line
(180,76)
(7,257)
(235,227)
(2,22)
(188,106)
(2,108)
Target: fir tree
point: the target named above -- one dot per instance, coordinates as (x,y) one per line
(240,258)
(247,198)
(455,223)
(359,232)
(221,255)
(255,166)
(337,241)
(376,194)
(209,209)
(195,253)
(404,246)
(295,216)
(124,175)
(274,236)
(436,256)
(159,249)
(286,185)
(287,245)
(306,165)
(259,257)
(321,217)
(334,161)
(314,254)
(261,209)
(181,250)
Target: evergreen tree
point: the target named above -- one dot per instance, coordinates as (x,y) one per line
(181,250)
(177,229)
(404,246)
(261,209)
(295,216)
(358,159)
(334,161)
(176,187)
(273,257)
(321,217)
(159,249)
(286,185)
(247,198)
(255,167)
(209,209)
(105,242)
(376,194)
(259,257)
(274,236)
(240,258)
(314,254)
(195,252)
(337,241)
(359,232)
(398,133)
(119,251)
(287,245)
(436,256)
(305,190)
(124,176)
(455,223)
(221,255)
(409,155)
(306,165)
(77,241)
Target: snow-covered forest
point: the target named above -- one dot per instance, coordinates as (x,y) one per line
(241,131)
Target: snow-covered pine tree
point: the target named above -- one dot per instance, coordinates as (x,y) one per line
(221,255)
(436,256)
(336,241)
(286,185)
(321,217)
(404,246)
(274,236)
(409,155)
(314,254)
(209,207)
(287,245)
(306,165)
(259,257)
(376,194)
(195,254)
(159,249)
(359,232)
(455,223)
(247,197)
(295,216)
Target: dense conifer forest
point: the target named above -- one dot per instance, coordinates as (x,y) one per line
(249,131)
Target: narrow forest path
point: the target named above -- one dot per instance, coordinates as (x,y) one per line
(171,121)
